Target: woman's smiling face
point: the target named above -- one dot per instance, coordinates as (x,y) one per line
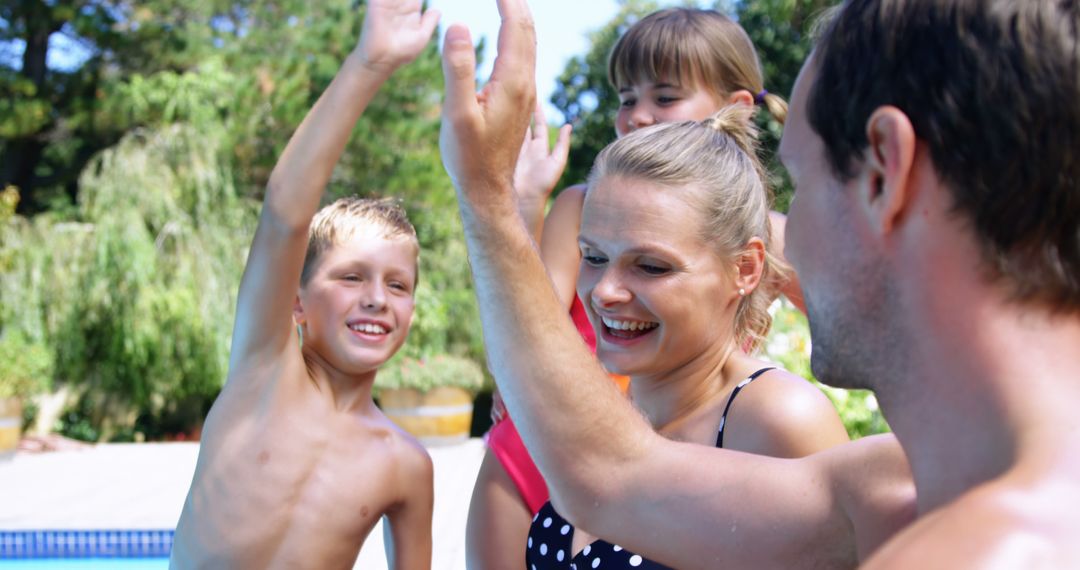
(657,294)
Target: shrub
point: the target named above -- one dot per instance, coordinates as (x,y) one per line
(25,366)
(442,370)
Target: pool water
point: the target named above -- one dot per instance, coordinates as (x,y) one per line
(86,564)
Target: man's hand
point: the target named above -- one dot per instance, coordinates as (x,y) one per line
(394,34)
(538,170)
(482,133)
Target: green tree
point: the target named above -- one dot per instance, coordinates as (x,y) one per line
(782,32)
(50,127)
(149,255)
(586,99)
(135,299)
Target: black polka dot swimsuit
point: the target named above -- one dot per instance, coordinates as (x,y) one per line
(551,537)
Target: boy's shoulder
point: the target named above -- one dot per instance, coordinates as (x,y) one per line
(406,458)
(403,447)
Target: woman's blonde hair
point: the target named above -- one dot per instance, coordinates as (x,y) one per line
(719,157)
(694,47)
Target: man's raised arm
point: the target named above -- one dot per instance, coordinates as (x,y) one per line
(608,471)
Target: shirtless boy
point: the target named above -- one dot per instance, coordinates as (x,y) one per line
(936,232)
(297,464)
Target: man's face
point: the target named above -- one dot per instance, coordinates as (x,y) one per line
(827,243)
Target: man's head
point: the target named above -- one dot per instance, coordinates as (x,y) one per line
(992,87)
(357,287)
(989,90)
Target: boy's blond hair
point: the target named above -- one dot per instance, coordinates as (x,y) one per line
(336,222)
(691,46)
(717,156)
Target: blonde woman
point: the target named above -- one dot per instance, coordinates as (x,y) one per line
(676,64)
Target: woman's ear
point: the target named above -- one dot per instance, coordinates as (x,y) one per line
(749,264)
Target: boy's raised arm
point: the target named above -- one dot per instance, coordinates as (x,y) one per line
(394,33)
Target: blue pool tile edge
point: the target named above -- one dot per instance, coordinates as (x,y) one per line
(30,544)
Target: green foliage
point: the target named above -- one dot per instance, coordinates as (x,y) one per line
(131,286)
(441,370)
(782,33)
(51,122)
(586,99)
(136,298)
(788,344)
(25,366)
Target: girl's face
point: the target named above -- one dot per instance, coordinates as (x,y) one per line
(648,103)
(657,293)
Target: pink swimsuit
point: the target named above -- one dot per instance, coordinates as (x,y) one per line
(505,442)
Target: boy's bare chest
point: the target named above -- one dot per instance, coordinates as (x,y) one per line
(296,477)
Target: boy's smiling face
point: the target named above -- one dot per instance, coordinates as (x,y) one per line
(357,306)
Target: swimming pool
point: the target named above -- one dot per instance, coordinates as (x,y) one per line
(86,564)
(85,549)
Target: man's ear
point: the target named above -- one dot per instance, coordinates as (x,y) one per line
(887,167)
(749,263)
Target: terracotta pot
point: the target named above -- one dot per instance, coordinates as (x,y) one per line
(437,417)
(10,426)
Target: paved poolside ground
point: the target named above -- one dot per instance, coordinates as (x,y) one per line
(143,486)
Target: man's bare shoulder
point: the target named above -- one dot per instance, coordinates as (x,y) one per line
(1003,524)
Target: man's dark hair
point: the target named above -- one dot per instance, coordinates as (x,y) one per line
(992,87)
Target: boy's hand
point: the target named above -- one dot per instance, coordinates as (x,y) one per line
(539,168)
(394,34)
(482,133)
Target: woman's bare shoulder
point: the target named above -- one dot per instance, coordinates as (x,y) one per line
(783,415)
